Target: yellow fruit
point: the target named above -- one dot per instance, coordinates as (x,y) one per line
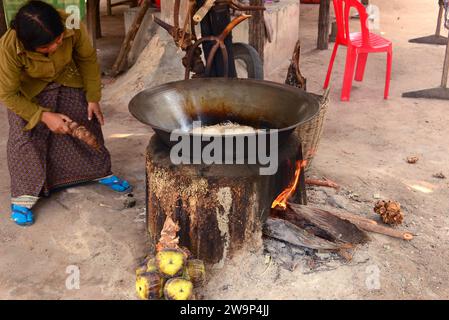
(196,272)
(148,265)
(149,286)
(141,268)
(178,289)
(170,262)
(151,265)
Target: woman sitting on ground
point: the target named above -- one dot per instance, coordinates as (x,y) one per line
(49,77)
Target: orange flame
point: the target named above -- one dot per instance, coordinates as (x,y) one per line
(281,201)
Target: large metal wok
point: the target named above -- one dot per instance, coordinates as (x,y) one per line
(260,104)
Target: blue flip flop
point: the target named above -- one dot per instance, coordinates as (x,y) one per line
(116,184)
(22,216)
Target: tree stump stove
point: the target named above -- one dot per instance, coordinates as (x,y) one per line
(220,208)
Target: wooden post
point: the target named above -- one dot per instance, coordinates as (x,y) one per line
(323,25)
(3,26)
(445,66)
(91,20)
(109,7)
(440,17)
(98,21)
(257,29)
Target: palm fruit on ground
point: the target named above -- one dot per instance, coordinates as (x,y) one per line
(170,262)
(149,286)
(148,265)
(196,272)
(178,289)
(390,212)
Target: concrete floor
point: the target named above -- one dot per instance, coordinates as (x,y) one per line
(364,147)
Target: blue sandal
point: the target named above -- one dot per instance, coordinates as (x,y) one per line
(21,216)
(116,184)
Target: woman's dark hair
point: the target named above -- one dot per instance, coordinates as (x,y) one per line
(37,24)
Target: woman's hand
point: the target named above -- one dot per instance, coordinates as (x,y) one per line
(93,108)
(56,122)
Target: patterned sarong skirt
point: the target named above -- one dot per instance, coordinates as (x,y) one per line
(40,160)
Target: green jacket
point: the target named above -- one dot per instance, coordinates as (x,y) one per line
(24,74)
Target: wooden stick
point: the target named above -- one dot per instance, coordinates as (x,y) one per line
(322,183)
(129,38)
(384,230)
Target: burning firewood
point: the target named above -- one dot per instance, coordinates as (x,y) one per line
(324,224)
(282,198)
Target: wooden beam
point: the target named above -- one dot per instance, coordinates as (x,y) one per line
(323,25)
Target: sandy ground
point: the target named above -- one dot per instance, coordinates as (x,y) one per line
(364,147)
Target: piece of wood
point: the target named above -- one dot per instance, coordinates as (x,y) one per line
(129,38)
(315,213)
(323,25)
(322,183)
(220,208)
(257,29)
(284,230)
(405,235)
(323,224)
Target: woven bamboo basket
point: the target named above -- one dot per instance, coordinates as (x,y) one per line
(311,131)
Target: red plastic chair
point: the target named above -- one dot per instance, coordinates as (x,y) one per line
(359,44)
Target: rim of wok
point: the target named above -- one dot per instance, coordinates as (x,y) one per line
(310,97)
